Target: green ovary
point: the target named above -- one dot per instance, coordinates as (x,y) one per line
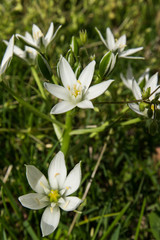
(54,196)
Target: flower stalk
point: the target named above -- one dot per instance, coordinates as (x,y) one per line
(68,129)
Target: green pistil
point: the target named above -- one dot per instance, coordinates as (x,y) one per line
(54,196)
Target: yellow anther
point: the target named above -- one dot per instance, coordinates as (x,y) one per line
(56,174)
(152,107)
(79,82)
(69,88)
(54,196)
(51,209)
(67,188)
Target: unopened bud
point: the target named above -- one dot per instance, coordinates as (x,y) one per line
(142,106)
(146,93)
(83,36)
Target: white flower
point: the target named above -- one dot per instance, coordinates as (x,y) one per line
(75,92)
(28,54)
(7,56)
(38,39)
(152,84)
(128,80)
(52,194)
(118,45)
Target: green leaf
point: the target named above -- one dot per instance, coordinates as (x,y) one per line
(105,64)
(154,221)
(44,67)
(115,235)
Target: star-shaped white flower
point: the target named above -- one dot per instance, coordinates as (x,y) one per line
(118,45)
(152,84)
(128,80)
(52,194)
(7,56)
(38,39)
(28,54)
(75,92)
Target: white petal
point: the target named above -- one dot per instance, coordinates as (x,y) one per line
(127,83)
(85,104)
(56,32)
(34,201)
(136,90)
(144,75)
(87,74)
(48,37)
(67,75)
(101,37)
(152,83)
(130,51)
(129,72)
(98,89)
(50,220)
(57,91)
(135,108)
(73,180)
(121,43)
(62,107)
(17,51)
(70,204)
(7,56)
(110,39)
(36,33)
(29,37)
(57,171)
(36,179)
(27,41)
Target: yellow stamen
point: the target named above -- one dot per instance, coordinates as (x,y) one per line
(152,107)
(66,204)
(56,174)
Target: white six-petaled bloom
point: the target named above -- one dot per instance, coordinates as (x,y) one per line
(38,39)
(52,194)
(152,84)
(128,80)
(7,56)
(118,45)
(75,92)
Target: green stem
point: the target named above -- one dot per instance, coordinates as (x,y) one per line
(66,136)
(39,84)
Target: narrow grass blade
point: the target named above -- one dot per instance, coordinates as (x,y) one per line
(140,219)
(115,222)
(30,230)
(31,108)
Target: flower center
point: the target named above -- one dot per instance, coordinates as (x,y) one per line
(54,196)
(76,90)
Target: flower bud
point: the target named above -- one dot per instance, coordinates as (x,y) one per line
(142,106)
(146,93)
(83,36)
(74,46)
